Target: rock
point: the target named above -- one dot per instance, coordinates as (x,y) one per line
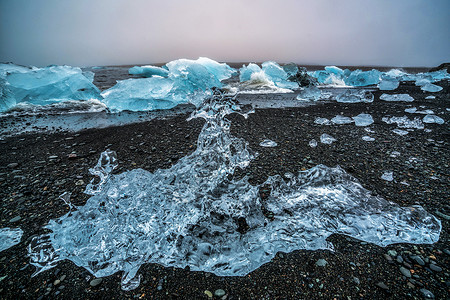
(12,165)
(15,219)
(208,293)
(392,253)
(321,262)
(435,268)
(382,285)
(418,260)
(53,157)
(72,156)
(405,272)
(219,293)
(57,281)
(399,259)
(96,281)
(427,294)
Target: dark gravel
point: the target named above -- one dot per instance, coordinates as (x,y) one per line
(31,182)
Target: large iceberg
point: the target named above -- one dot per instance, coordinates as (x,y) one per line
(271,73)
(197,214)
(41,86)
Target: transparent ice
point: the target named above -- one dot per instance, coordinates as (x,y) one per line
(312,143)
(400,131)
(327,139)
(388,176)
(429,87)
(9,237)
(322,121)
(388,83)
(433,119)
(309,93)
(246,72)
(404,122)
(148,71)
(363,120)
(355,96)
(363,78)
(271,73)
(7,99)
(339,119)
(368,138)
(411,110)
(397,97)
(268,144)
(197,214)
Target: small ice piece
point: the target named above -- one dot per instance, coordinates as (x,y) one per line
(312,143)
(395,154)
(425,112)
(411,110)
(339,119)
(309,93)
(148,71)
(432,88)
(400,131)
(9,237)
(388,176)
(369,130)
(368,138)
(327,139)
(388,84)
(397,97)
(404,122)
(268,143)
(355,96)
(363,78)
(430,97)
(363,120)
(322,121)
(433,119)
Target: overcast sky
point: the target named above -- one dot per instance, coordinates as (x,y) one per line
(114,32)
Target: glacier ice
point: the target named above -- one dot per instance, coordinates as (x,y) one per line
(363,78)
(245,73)
(432,88)
(291,69)
(309,93)
(221,71)
(363,119)
(197,214)
(268,143)
(397,97)
(271,73)
(148,71)
(339,120)
(388,83)
(9,237)
(355,96)
(433,119)
(327,139)
(404,122)
(41,86)
(7,99)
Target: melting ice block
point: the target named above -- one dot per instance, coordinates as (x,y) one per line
(7,99)
(327,139)
(148,71)
(363,78)
(404,122)
(432,88)
(397,97)
(388,176)
(355,96)
(339,120)
(363,120)
(9,237)
(268,144)
(271,73)
(433,119)
(309,93)
(193,213)
(50,85)
(246,72)
(388,83)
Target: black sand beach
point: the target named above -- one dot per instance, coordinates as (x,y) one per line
(35,169)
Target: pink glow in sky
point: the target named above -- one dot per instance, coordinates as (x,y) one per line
(114,32)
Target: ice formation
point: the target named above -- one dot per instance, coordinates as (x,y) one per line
(9,237)
(197,214)
(404,122)
(355,96)
(309,93)
(187,79)
(397,97)
(433,119)
(327,139)
(270,74)
(339,120)
(268,144)
(148,71)
(363,78)
(432,88)
(388,83)
(41,86)
(363,120)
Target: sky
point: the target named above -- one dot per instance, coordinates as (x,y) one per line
(401,33)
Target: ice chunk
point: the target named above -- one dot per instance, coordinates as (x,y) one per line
(363,120)
(290,69)
(9,237)
(322,121)
(341,120)
(411,110)
(330,76)
(7,99)
(221,71)
(148,71)
(196,214)
(50,85)
(363,78)
(312,143)
(327,139)
(432,88)
(276,74)
(422,82)
(246,72)
(430,97)
(400,131)
(355,96)
(395,154)
(368,138)
(404,122)
(433,119)
(9,68)
(268,143)
(397,97)
(425,112)
(388,176)
(388,83)
(309,93)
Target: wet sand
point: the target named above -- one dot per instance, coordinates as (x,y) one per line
(354,270)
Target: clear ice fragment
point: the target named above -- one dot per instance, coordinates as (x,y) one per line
(411,110)
(400,131)
(388,176)
(404,122)
(432,88)
(9,237)
(268,143)
(309,93)
(363,120)
(397,97)
(368,138)
(322,121)
(355,96)
(433,119)
(312,143)
(339,120)
(363,78)
(327,139)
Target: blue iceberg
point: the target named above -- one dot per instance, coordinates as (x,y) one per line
(271,74)
(363,78)
(148,71)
